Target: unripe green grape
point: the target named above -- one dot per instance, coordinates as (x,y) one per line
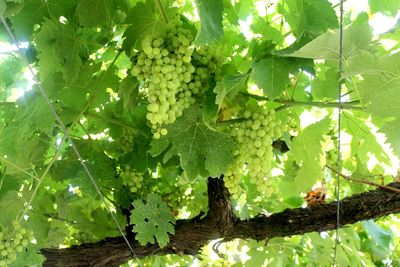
(131,179)
(164,131)
(255,145)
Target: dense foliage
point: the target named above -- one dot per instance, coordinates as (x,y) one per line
(159,95)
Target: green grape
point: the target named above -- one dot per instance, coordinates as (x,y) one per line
(255,154)
(165,63)
(13,241)
(125,142)
(131,178)
(169,75)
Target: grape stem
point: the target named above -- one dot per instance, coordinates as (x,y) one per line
(290,103)
(237,120)
(162,12)
(7,103)
(348,178)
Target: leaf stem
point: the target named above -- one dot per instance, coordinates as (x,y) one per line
(349,105)
(162,12)
(290,103)
(237,120)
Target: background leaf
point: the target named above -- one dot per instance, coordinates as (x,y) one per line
(210,12)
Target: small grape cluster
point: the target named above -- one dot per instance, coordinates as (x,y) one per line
(126,141)
(254,136)
(164,66)
(131,178)
(12,242)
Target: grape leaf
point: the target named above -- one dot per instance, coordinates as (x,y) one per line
(152,221)
(363,142)
(202,151)
(315,16)
(326,46)
(59,48)
(308,152)
(381,236)
(210,12)
(387,7)
(34,12)
(11,206)
(326,83)
(210,108)
(379,89)
(3,7)
(228,87)
(142,19)
(272,75)
(261,26)
(8,183)
(95,12)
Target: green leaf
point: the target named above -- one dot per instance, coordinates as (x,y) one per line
(308,152)
(326,84)
(381,236)
(227,88)
(326,46)
(95,12)
(387,7)
(142,19)
(379,89)
(35,12)
(8,183)
(11,206)
(261,26)
(314,16)
(272,75)
(59,48)
(3,7)
(210,12)
(364,142)
(202,151)
(210,108)
(152,221)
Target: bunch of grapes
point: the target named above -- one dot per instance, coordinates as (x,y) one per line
(254,136)
(13,241)
(164,66)
(126,141)
(131,178)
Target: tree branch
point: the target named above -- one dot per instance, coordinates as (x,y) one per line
(191,235)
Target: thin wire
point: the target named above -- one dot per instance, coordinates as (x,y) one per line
(67,135)
(339,135)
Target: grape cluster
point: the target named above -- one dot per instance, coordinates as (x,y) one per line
(13,241)
(126,141)
(131,178)
(254,136)
(164,66)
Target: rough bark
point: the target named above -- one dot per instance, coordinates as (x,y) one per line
(191,235)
